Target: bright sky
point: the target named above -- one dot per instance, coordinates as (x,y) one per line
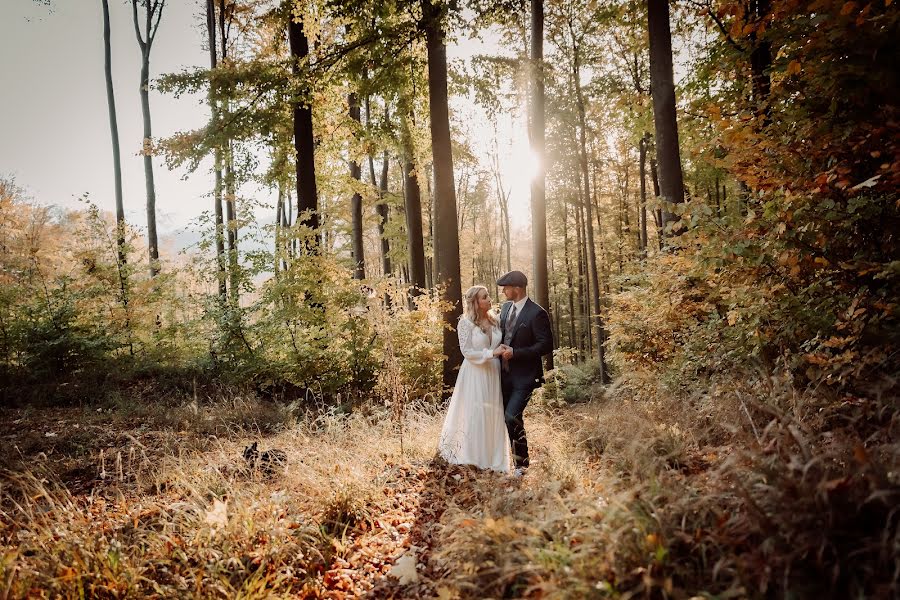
(54,127)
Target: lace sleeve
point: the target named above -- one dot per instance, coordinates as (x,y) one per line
(465,329)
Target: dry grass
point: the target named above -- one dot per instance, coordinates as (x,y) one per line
(632,496)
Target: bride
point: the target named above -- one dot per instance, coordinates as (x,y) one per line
(474,430)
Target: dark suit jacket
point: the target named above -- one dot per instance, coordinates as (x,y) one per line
(531,339)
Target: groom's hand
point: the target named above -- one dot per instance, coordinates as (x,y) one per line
(508,353)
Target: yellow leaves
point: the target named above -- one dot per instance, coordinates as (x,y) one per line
(793,67)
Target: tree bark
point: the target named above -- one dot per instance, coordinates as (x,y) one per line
(662,88)
(642,166)
(231,222)
(304,143)
(152,9)
(217,159)
(356,213)
(584,310)
(232,227)
(413,203)
(381,208)
(446,235)
(572,339)
(279,230)
(657,214)
(586,201)
(114,135)
(538,182)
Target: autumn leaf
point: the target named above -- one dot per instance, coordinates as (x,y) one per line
(217,516)
(405,569)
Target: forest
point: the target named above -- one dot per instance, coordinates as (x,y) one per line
(702,193)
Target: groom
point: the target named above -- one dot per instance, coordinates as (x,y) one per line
(526,330)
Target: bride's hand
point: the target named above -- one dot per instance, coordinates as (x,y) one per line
(500,350)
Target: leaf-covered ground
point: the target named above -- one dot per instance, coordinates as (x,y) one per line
(625,498)
(129,503)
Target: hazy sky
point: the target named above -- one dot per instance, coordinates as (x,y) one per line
(54,124)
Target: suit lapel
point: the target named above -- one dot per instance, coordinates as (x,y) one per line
(504,312)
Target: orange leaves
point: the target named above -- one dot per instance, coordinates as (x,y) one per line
(793,67)
(848,8)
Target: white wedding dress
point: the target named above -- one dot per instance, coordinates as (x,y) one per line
(474,430)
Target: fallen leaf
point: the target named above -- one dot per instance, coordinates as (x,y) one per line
(405,569)
(217,516)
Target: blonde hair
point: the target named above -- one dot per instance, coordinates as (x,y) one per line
(470,307)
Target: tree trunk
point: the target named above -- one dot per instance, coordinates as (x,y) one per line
(232,227)
(114,134)
(381,208)
(642,165)
(279,230)
(446,236)
(413,202)
(658,213)
(572,339)
(217,159)
(304,143)
(356,212)
(429,260)
(662,87)
(586,344)
(231,221)
(589,226)
(152,9)
(150,185)
(538,183)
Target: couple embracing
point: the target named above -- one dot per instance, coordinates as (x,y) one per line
(501,368)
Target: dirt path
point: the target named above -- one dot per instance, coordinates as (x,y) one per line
(396,552)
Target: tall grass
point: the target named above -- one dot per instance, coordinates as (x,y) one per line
(748,489)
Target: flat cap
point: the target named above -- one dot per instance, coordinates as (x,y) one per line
(516,278)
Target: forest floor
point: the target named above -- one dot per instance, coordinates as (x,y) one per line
(137,501)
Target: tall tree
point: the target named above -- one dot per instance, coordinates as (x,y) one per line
(217,159)
(413,202)
(662,88)
(538,183)
(446,235)
(381,208)
(642,174)
(114,133)
(356,213)
(226,14)
(304,143)
(153,10)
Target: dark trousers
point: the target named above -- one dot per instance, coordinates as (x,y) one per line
(514,401)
